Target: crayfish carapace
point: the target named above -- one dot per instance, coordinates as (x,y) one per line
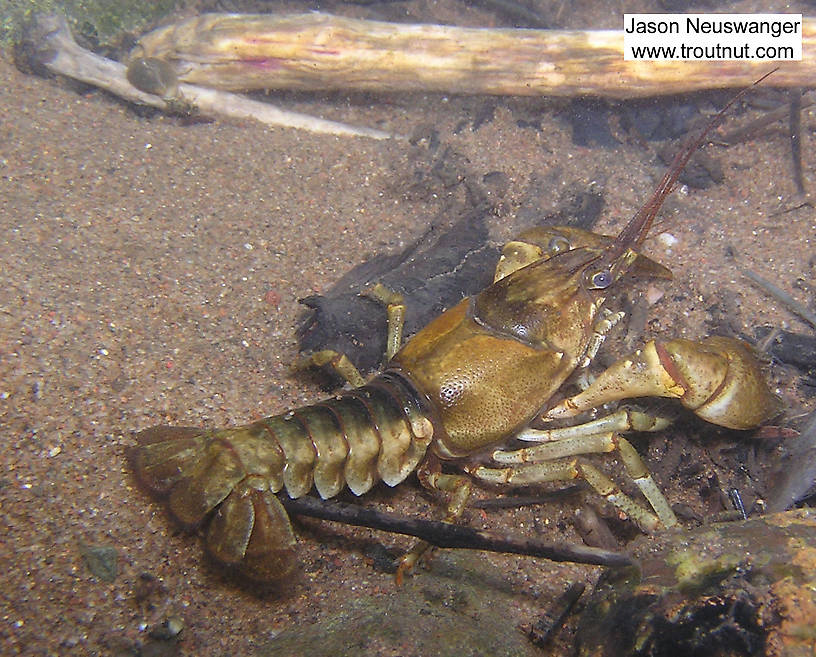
(458,392)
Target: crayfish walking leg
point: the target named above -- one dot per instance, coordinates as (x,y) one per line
(719,379)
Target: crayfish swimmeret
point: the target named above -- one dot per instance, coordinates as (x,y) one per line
(457,392)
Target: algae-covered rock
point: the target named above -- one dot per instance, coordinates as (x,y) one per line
(746,588)
(458,609)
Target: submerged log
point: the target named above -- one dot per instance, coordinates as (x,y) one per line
(731,589)
(320,51)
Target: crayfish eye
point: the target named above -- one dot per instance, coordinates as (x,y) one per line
(558,245)
(601,279)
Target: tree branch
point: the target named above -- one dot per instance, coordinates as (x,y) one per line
(447,535)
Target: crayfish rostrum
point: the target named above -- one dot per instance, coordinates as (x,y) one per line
(458,392)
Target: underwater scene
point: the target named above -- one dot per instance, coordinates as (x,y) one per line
(403,328)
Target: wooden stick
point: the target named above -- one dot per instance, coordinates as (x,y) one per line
(319,51)
(447,535)
(59,53)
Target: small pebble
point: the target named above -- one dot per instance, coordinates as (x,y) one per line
(100,560)
(653,295)
(168,630)
(667,239)
(272,298)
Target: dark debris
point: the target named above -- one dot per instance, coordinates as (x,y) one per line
(797,349)
(433,274)
(795,478)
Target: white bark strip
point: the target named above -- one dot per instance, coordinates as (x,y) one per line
(62,55)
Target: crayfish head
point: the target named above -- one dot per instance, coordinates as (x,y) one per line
(545,304)
(548,241)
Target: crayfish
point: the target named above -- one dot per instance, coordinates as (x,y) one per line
(456,394)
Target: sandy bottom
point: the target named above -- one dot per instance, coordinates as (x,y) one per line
(150,274)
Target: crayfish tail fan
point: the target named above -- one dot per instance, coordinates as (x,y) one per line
(201,472)
(251,531)
(189,467)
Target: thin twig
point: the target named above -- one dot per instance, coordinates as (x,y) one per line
(783,297)
(518,501)
(748,131)
(795,124)
(446,535)
(551,620)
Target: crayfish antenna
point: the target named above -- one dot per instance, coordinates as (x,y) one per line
(638,227)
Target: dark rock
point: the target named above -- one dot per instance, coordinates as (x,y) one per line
(433,274)
(798,349)
(456,610)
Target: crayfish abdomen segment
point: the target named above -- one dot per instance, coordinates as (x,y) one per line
(377,432)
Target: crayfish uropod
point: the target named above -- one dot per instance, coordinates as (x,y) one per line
(457,392)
